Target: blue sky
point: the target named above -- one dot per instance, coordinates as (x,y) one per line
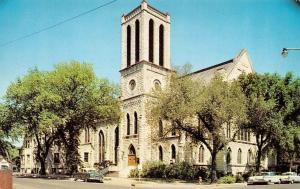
(203,33)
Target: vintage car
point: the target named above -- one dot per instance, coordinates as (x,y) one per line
(89,175)
(290,177)
(264,178)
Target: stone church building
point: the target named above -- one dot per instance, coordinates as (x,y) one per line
(145,65)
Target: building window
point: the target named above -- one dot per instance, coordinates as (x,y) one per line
(160,128)
(27,144)
(249,157)
(137,41)
(201,154)
(157,84)
(239,156)
(101,146)
(128,124)
(128,45)
(173,153)
(116,144)
(249,139)
(228,156)
(161,158)
(132,84)
(151,41)
(228,131)
(161,45)
(135,123)
(86,157)
(56,158)
(245,135)
(86,135)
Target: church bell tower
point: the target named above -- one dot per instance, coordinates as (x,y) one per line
(145,65)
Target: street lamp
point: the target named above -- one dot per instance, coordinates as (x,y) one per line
(285,52)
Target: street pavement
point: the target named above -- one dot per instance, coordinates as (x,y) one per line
(119,183)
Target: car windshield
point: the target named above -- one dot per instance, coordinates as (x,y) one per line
(92,171)
(266,174)
(289,173)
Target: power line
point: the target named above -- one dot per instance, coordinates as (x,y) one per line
(57,24)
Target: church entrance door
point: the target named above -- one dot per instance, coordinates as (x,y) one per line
(131,156)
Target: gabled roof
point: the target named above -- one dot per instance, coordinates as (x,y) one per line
(229,69)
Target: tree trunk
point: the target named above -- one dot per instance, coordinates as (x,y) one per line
(72,155)
(43,166)
(213,171)
(291,162)
(258,159)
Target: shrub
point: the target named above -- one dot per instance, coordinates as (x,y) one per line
(201,172)
(134,173)
(182,170)
(153,170)
(227,180)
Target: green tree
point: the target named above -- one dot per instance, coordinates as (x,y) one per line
(27,103)
(84,101)
(272,111)
(202,111)
(288,98)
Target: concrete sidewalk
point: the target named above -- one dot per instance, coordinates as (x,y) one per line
(152,183)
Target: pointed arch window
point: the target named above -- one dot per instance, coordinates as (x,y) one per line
(128,46)
(86,135)
(239,156)
(151,40)
(128,124)
(249,157)
(101,147)
(173,152)
(135,123)
(116,144)
(228,131)
(160,149)
(201,154)
(161,45)
(137,41)
(249,135)
(228,156)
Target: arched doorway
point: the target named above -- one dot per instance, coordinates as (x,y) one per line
(116,144)
(131,156)
(101,146)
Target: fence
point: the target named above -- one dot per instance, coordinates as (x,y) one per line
(5,179)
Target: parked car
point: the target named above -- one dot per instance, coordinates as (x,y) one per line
(290,177)
(89,175)
(264,178)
